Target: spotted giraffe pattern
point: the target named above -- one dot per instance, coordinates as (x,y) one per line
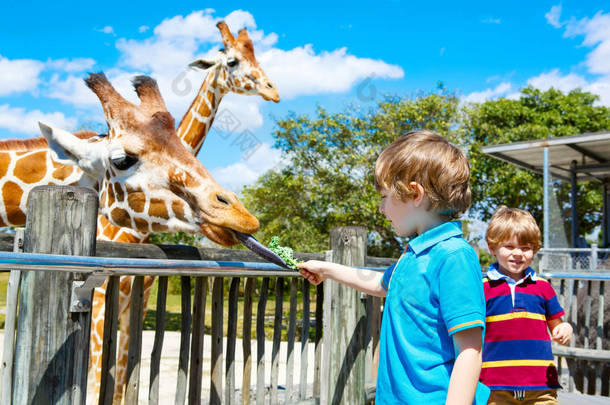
(25,164)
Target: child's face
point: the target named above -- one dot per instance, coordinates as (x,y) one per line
(513,258)
(400,213)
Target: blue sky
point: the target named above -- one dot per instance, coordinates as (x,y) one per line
(317,53)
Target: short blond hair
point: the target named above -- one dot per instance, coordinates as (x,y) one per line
(430,160)
(508,222)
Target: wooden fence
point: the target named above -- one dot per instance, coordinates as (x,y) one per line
(584,298)
(342,325)
(346,376)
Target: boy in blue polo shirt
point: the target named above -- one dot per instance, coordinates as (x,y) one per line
(434,313)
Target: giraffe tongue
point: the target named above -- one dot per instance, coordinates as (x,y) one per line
(254,245)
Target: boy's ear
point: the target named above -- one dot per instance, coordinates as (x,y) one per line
(419,190)
(492,250)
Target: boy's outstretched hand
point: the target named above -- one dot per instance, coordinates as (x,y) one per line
(313,270)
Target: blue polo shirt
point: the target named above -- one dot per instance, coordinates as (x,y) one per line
(433,291)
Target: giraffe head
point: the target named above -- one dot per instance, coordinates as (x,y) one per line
(147,179)
(236,68)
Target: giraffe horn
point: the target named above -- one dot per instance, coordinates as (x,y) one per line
(227,37)
(148,92)
(111,100)
(242,35)
(99,84)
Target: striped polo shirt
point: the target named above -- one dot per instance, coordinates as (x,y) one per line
(517,351)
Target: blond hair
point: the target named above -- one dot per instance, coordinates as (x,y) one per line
(430,160)
(508,222)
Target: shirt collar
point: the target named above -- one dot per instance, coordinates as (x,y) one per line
(494,274)
(435,235)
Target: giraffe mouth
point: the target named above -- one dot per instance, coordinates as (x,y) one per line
(269,94)
(218,234)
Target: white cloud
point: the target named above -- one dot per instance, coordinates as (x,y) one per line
(301,71)
(197,25)
(601,87)
(491,21)
(500,90)
(143,28)
(106,30)
(596,32)
(72,90)
(246,172)
(552,17)
(554,79)
(22,121)
(71,65)
(19,75)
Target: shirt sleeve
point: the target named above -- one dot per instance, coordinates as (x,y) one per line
(461,297)
(552,306)
(387,276)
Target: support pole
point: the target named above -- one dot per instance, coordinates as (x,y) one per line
(605,218)
(345,324)
(573,204)
(545,207)
(52,344)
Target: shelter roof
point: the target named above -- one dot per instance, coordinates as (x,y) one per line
(591,152)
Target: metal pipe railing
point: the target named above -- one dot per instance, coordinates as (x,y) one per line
(577,276)
(155,267)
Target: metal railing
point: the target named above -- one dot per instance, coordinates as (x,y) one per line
(573,260)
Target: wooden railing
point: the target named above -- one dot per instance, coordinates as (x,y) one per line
(584,365)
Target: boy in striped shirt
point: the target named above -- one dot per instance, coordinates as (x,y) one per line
(522,309)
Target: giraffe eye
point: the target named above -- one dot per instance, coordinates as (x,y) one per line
(232,62)
(124,162)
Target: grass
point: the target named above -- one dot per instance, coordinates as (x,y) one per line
(173,317)
(3,285)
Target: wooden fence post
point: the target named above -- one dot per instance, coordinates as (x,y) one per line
(344,324)
(52,344)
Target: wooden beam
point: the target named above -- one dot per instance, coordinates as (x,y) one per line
(52,344)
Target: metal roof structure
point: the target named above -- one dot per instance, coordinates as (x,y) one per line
(591,152)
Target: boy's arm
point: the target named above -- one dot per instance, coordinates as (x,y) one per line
(560,331)
(467,367)
(367,281)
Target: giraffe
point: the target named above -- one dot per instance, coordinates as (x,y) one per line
(147,180)
(233,69)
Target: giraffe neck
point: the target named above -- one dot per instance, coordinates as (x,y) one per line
(25,164)
(199,118)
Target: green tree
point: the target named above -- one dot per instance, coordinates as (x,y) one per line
(329,181)
(535,115)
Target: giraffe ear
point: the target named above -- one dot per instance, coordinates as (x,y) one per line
(67,148)
(202,64)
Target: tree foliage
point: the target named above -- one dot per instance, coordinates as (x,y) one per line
(535,115)
(329,181)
